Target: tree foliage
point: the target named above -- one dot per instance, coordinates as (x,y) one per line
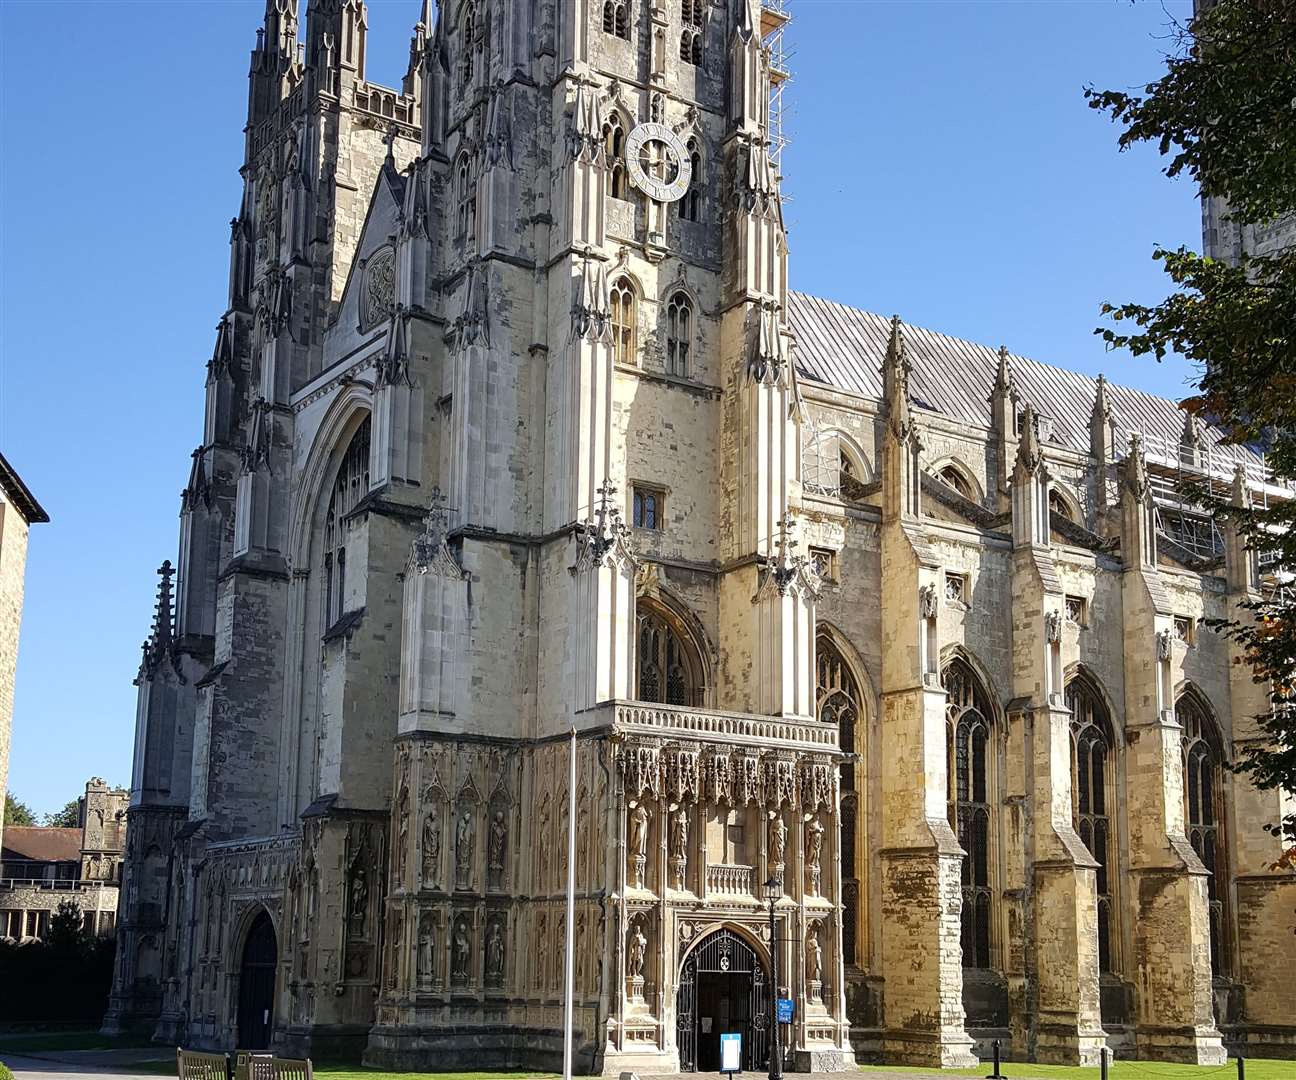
(66,929)
(17,812)
(1224,114)
(67,818)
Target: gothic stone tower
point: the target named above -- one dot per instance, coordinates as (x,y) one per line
(501,441)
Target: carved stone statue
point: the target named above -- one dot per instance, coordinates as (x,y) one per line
(814,852)
(1053,627)
(463,848)
(637,951)
(639,831)
(495,954)
(497,845)
(431,848)
(359,908)
(426,950)
(542,951)
(398,932)
(928,604)
(462,947)
(679,847)
(542,844)
(814,956)
(777,840)
(402,836)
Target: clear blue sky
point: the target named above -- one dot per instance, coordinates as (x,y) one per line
(944,166)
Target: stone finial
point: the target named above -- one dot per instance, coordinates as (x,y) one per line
(591,303)
(1029,451)
(1101,407)
(499,130)
(472,326)
(1238,492)
(587,124)
(430,552)
(605,530)
(748,20)
(163,614)
(768,352)
(895,379)
(1134,473)
(393,366)
(1003,384)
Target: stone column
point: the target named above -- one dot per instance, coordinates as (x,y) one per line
(1062,914)
(1172,964)
(922,961)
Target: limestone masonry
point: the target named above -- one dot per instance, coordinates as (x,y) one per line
(513,426)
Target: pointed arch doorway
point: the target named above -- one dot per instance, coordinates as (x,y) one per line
(723,987)
(257,985)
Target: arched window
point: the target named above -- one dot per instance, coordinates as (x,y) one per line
(837,701)
(679,334)
(1203,764)
(466,46)
(691,32)
(967,747)
(623,322)
(466,200)
(616,18)
(1092,782)
(614,155)
(669,670)
(349,487)
(850,482)
(1060,505)
(952,476)
(691,204)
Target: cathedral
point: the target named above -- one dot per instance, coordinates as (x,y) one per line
(886,654)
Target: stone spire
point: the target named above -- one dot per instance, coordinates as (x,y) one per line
(1190,442)
(1029,451)
(1138,513)
(895,380)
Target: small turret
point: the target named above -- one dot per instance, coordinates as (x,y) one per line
(1138,513)
(1003,421)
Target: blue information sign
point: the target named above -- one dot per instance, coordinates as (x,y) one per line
(784,1010)
(730,1052)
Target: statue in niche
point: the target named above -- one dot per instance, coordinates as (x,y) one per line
(582,844)
(495,954)
(638,949)
(462,947)
(777,839)
(542,950)
(542,838)
(431,847)
(463,849)
(398,931)
(814,852)
(679,846)
(359,901)
(496,847)
(814,956)
(639,831)
(402,837)
(426,950)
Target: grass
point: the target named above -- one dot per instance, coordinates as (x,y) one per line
(35,1042)
(1256,1069)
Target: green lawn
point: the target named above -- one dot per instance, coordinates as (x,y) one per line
(35,1042)
(1256,1069)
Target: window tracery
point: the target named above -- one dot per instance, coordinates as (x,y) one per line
(967,747)
(614,140)
(1203,764)
(1059,505)
(616,18)
(668,670)
(691,32)
(349,486)
(1092,780)
(467,58)
(952,476)
(838,702)
(691,203)
(466,200)
(623,322)
(679,334)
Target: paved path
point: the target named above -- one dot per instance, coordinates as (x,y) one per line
(86,1064)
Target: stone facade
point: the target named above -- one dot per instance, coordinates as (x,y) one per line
(516,460)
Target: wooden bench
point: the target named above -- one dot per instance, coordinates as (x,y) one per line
(291,1069)
(191,1065)
(253,1065)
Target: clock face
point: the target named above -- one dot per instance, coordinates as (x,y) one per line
(659,162)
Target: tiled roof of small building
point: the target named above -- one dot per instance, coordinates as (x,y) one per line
(844,347)
(42,844)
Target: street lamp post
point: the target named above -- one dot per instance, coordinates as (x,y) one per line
(774,890)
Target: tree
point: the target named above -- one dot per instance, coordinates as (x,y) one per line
(66,928)
(17,812)
(67,818)
(1224,113)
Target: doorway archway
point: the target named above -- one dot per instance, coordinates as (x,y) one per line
(723,987)
(257,985)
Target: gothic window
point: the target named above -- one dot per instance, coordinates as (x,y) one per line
(850,482)
(1059,505)
(837,702)
(349,487)
(735,838)
(668,667)
(614,140)
(691,33)
(951,476)
(467,57)
(679,334)
(466,200)
(648,508)
(616,18)
(1092,784)
(1203,764)
(691,204)
(967,747)
(623,322)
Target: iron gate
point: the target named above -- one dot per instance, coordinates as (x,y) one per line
(724,953)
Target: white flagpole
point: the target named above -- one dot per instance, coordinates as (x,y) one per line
(571,909)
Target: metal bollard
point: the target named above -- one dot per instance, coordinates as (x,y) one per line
(1241,1067)
(1102,1062)
(996,1075)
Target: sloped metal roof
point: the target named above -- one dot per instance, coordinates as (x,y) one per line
(844,347)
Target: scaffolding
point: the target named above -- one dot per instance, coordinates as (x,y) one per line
(774,20)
